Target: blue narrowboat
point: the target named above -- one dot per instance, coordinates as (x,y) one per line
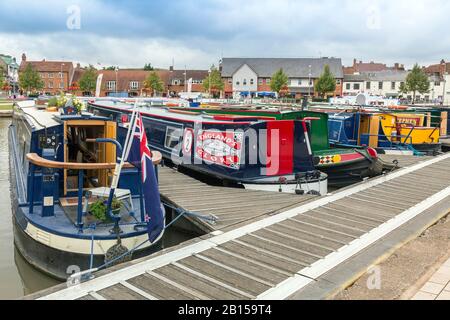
(60,168)
(256,153)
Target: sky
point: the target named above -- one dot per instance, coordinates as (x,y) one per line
(197,33)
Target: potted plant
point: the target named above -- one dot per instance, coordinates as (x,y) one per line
(98,209)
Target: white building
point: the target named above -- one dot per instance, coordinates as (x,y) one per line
(387,84)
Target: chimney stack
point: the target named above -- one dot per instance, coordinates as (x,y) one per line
(24,57)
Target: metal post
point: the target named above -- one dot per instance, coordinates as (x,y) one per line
(80,200)
(31,191)
(141,196)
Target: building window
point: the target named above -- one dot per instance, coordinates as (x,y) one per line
(437,83)
(237,83)
(61,85)
(60,75)
(268,81)
(50,85)
(230,80)
(347,86)
(368,85)
(393,85)
(111,85)
(380,85)
(43,75)
(260,81)
(338,81)
(356,86)
(244,82)
(251,81)
(50,75)
(134,85)
(176,82)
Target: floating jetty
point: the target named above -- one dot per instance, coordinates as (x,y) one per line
(259,249)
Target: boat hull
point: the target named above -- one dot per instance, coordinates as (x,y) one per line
(57,263)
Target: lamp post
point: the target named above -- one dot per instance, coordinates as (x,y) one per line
(309,82)
(116,84)
(61,76)
(209,83)
(185,78)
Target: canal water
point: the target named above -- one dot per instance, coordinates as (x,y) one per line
(17,277)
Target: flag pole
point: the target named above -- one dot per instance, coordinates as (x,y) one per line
(119,164)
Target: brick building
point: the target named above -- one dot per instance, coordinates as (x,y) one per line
(57,75)
(366,67)
(178,80)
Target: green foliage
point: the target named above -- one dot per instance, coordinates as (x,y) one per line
(109,68)
(154,83)
(279,81)
(88,80)
(213,82)
(77,104)
(53,102)
(148,67)
(326,82)
(2,77)
(98,208)
(416,81)
(61,100)
(30,79)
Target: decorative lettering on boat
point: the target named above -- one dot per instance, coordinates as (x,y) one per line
(220,147)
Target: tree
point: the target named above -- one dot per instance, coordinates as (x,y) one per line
(279,81)
(88,80)
(416,81)
(109,68)
(213,83)
(326,82)
(148,67)
(30,79)
(154,83)
(2,78)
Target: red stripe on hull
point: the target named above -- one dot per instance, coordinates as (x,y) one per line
(280,150)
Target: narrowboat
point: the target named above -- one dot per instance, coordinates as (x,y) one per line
(344,166)
(255,153)
(386,132)
(60,166)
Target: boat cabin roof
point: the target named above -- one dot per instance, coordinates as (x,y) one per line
(40,118)
(176,115)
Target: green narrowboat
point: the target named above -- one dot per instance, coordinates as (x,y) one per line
(343,166)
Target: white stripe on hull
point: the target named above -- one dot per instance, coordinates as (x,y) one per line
(83,246)
(321,187)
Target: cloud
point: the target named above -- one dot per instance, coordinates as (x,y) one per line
(198,32)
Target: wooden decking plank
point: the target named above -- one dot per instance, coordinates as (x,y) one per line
(192,281)
(327,233)
(233,278)
(364,211)
(241,262)
(321,240)
(363,205)
(310,247)
(380,202)
(120,292)
(159,288)
(392,201)
(139,291)
(311,220)
(345,221)
(271,258)
(369,221)
(391,195)
(276,249)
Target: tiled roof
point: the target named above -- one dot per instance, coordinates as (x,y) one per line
(124,76)
(194,74)
(293,67)
(388,75)
(48,66)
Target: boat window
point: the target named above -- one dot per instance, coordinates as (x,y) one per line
(172,137)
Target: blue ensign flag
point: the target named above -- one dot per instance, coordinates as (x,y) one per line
(141,157)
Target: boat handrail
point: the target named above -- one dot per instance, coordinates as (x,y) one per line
(37,160)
